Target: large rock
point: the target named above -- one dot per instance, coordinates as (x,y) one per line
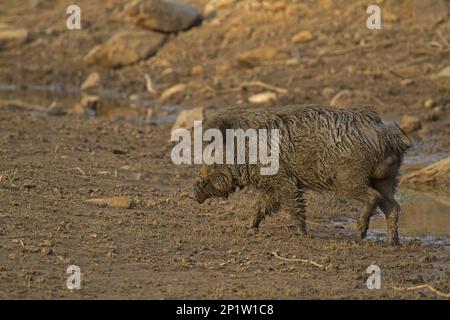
(124,48)
(163,15)
(11,37)
(436,175)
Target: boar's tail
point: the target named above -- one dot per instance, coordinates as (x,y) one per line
(398,140)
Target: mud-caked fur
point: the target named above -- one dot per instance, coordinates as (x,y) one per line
(350,152)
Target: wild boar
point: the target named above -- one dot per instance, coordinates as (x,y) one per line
(349,152)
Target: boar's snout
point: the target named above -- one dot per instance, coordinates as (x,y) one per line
(199,192)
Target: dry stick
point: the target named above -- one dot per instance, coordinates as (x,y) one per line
(301,260)
(265,86)
(255,84)
(78,169)
(424,286)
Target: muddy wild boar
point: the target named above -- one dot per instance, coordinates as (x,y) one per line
(349,152)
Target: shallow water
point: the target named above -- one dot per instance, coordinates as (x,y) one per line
(115,105)
(424,217)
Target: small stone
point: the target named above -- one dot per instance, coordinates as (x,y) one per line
(410,123)
(46,251)
(115,202)
(428,103)
(187,117)
(87,103)
(196,70)
(256,57)
(389,17)
(263,97)
(303,36)
(406,82)
(91,81)
(163,15)
(56,110)
(12,37)
(47,243)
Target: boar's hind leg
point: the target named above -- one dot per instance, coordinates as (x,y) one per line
(267,205)
(390,207)
(371,199)
(295,205)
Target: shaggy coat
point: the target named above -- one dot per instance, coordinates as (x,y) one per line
(349,152)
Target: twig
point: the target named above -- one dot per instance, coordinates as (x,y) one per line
(256,84)
(424,286)
(302,260)
(149,85)
(78,169)
(264,85)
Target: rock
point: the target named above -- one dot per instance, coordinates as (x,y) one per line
(124,48)
(187,117)
(388,16)
(91,82)
(263,97)
(163,15)
(46,251)
(88,103)
(428,103)
(434,175)
(258,56)
(442,79)
(410,123)
(56,110)
(171,91)
(11,37)
(302,36)
(115,202)
(196,70)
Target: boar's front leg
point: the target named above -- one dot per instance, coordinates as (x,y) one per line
(267,205)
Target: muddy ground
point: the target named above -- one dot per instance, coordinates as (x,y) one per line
(166,245)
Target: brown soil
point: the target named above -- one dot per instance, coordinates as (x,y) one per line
(166,245)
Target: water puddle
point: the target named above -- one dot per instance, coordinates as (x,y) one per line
(112,104)
(424,217)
